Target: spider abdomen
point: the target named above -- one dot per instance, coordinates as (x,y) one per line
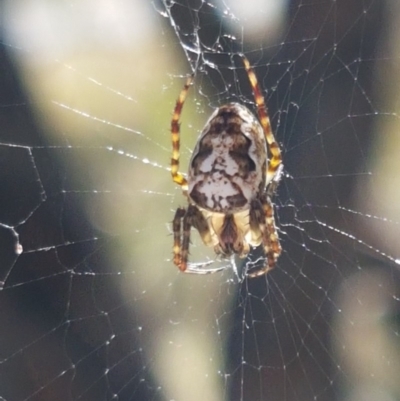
(227,168)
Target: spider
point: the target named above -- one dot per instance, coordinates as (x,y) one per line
(230,183)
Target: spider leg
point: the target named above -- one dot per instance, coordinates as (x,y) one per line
(176,228)
(177,177)
(182,224)
(262,216)
(187,225)
(200,224)
(273,184)
(273,146)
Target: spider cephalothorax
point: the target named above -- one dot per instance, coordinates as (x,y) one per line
(230,183)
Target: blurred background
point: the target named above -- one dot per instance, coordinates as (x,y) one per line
(91,305)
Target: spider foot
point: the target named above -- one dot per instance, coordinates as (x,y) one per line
(199,268)
(270,262)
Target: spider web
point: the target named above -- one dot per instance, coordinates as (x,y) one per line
(91,305)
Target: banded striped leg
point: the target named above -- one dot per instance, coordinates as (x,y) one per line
(177,228)
(183,221)
(273,146)
(175,133)
(262,216)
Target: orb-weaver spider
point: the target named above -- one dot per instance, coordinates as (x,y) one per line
(229,184)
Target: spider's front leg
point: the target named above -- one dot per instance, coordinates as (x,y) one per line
(182,224)
(177,228)
(262,220)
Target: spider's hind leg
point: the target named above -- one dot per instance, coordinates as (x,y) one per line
(262,111)
(178,177)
